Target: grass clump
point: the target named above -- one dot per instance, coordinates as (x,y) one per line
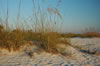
(44,31)
(10,39)
(49,41)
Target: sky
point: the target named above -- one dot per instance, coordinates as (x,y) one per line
(78,15)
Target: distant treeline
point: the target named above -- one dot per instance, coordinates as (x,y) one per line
(84,35)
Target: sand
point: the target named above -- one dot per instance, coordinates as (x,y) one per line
(77,57)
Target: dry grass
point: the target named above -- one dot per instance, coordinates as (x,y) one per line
(85,35)
(49,41)
(44,31)
(10,39)
(14,39)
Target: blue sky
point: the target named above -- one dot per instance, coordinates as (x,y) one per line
(77,14)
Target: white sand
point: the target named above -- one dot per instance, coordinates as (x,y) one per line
(46,59)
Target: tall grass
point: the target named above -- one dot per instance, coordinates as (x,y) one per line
(42,30)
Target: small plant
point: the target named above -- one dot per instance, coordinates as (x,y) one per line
(96,53)
(31,54)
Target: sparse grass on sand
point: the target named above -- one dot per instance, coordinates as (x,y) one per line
(13,40)
(43,30)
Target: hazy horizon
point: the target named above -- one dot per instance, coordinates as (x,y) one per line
(78,15)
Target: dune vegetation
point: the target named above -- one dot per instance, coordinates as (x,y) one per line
(83,35)
(44,30)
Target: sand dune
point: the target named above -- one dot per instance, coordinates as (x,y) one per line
(78,58)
